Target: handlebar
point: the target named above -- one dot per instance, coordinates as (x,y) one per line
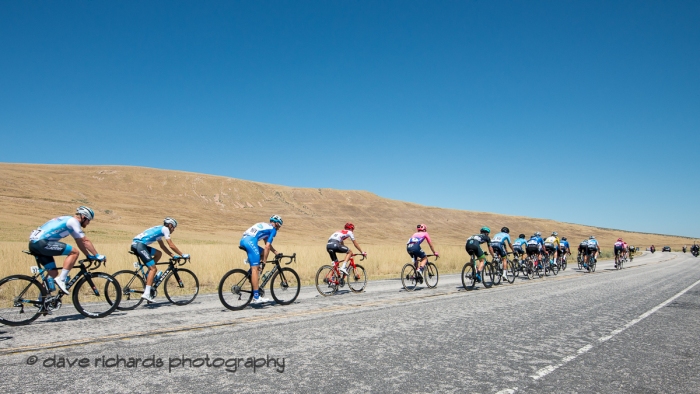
(179,260)
(364,256)
(89,266)
(278,258)
(432,255)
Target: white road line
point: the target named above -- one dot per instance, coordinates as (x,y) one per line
(551,368)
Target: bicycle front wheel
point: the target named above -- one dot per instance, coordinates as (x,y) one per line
(468,276)
(96,295)
(530,269)
(21,300)
(487,276)
(510,272)
(326,281)
(132,285)
(181,286)
(430,275)
(285,286)
(357,280)
(408,277)
(497,265)
(235,290)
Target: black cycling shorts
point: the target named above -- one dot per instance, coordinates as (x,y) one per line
(336,247)
(414,250)
(618,250)
(499,250)
(517,250)
(532,250)
(472,247)
(44,251)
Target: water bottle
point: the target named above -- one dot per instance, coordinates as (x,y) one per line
(264,277)
(158,275)
(51,283)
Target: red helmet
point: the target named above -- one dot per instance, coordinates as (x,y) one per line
(421,227)
(349,226)
(619,239)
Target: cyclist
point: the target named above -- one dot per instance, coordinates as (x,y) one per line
(582,249)
(474,249)
(150,256)
(551,245)
(619,250)
(535,246)
(564,248)
(498,244)
(265,232)
(592,250)
(44,243)
(519,245)
(414,250)
(625,248)
(336,245)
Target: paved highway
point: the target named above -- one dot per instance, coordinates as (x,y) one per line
(611,331)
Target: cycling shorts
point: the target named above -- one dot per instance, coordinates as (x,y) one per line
(144,253)
(335,247)
(592,251)
(619,250)
(550,248)
(532,250)
(472,247)
(255,252)
(44,251)
(499,250)
(414,250)
(517,250)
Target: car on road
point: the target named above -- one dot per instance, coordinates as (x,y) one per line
(666,249)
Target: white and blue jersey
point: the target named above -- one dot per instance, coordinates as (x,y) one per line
(592,244)
(520,242)
(564,245)
(152,235)
(500,239)
(260,231)
(57,229)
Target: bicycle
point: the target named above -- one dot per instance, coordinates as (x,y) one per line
(24,298)
(180,285)
(236,290)
(591,262)
(410,279)
(329,277)
(550,266)
(469,274)
(535,266)
(499,272)
(562,259)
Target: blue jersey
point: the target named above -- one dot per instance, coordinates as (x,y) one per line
(500,239)
(57,229)
(153,234)
(264,231)
(535,240)
(519,242)
(564,244)
(592,243)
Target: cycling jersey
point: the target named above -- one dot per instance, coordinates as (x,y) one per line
(592,244)
(552,242)
(152,235)
(564,245)
(57,229)
(619,244)
(264,231)
(520,242)
(535,241)
(418,238)
(342,235)
(480,238)
(501,239)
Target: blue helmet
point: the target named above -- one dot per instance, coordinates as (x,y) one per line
(276,219)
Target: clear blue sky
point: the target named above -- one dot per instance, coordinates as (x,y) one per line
(585,112)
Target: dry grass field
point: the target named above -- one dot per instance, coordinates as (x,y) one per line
(213,212)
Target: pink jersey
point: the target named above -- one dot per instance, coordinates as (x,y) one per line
(418,238)
(619,243)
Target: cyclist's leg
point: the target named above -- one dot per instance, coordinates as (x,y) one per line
(45,252)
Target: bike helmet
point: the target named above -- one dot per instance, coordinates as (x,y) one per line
(170,220)
(505,230)
(563,238)
(619,240)
(349,226)
(485,230)
(421,227)
(276,219)
(87,213)
(554,233)
(521,236)
(591,237)
(538,234)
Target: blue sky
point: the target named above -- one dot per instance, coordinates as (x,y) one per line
(585,112)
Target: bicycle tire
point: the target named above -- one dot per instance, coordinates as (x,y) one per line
(16,293)
(431,275)
(181,286)
(510,267)
(497,266)
(326,281)
(285,286)
(235,289)
(468,276)
(408,277)
(593,265)
(357,280)
(563,264)
(96,295)
(516,268)
(554,268)
(487,275)
(132,285)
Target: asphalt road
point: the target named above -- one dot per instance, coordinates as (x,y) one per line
(611,331)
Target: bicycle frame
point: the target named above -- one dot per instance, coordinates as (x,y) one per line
(172,267)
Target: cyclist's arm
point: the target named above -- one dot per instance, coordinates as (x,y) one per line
(354,241)
(490,250)
(173,247)
(510,245)
(165,249)
(86,246)
(267,249)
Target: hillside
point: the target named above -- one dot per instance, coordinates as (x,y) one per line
(214,209)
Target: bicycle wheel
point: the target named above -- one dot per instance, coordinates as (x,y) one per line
(510,272)
(430,275)
(21,300)
(132,285)
(554,268)
(497,266)
(96,294)
(517,267)
(408,277)
(563,264)
(181,286)
(487,276)
(235,290)
(537,267)
(357,280)
(285,286)
(468,276)
(593,264)
(326,281)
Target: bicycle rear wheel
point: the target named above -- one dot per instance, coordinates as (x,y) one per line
(510,272)
(517,266)
(497,266)
(326,281)
(430,275)
(357,280)
(487,276)
(96,295)
(181,286)
(132,285)
(21,300)
(530,269)
(235,290)
(593,264)
(468,276)
(285,286)
(408,277)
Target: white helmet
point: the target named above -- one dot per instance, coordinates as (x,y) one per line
(87,213)
(170,220)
